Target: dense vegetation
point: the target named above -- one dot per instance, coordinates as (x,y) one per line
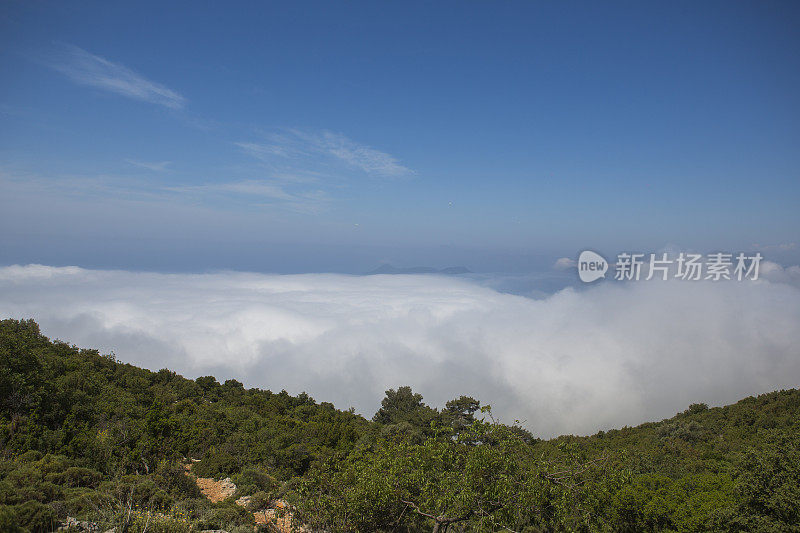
(85,436)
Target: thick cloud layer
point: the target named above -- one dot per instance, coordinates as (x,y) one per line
(574,362)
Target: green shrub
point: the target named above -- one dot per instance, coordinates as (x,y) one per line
(217,465)
(77,477)
(259,500)
(251,480)
(31,456)
(24,476)
(42,492)
(36,517)
(81,501)
(8,496)
(171,476)
(52,463)
(193,508)
(9,521)
(769,484)
(225,518)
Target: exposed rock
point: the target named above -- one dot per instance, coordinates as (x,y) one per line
(80,525)
(216,491)
(281,518)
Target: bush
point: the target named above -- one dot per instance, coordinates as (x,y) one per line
(252,480)
(697,408)
(140,491)
(60,508)
(24,476)
(217,465)
(769,484)
(171,476)
(9,520)
(31,456)
(258,501)
(80,502)
(225,517)
(51,463)
(42,492)
(192,509)
(36,516)
(8,496)
(77,477)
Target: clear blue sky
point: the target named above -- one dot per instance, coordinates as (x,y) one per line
(314,136)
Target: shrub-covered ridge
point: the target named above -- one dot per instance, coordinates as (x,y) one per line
(83,435)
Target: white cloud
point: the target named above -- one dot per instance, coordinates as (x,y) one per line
(306,201)
(357,155)
(155,166)
(292,195)
(776,273)
(322,149)
(576,361)
(85,68)
(563,263)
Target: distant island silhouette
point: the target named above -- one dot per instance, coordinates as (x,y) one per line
(390,269)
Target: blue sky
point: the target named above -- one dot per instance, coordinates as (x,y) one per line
(307,137)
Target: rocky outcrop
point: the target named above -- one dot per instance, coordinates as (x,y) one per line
(279,516)
(216,491)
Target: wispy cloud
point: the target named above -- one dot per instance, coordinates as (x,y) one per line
(155,166)
(325,148)
(266,152)
(357,155)
(780,247)
(260,192)
(88,69)
(99,186)
(219,195)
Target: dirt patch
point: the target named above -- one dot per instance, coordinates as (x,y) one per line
(281,518)
(279,515)
(216,491)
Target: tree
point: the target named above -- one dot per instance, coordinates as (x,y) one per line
(485,479)
(769,484)
(403,405)
(460,413)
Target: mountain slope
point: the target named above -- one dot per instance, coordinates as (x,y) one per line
(83,435)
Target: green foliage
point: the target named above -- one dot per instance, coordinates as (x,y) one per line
(216,464)
(259,500)
(86,436)
(486,478)
(36,517)
(9,521)
(171,476)
(404,406)
(90,435)
(76,476)
(769,484)
(252,480)
(224,517)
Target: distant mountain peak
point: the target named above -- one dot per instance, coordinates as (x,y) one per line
(386,268)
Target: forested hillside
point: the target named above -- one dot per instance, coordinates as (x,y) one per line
(85,436)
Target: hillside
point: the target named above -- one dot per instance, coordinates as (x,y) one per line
(85,436)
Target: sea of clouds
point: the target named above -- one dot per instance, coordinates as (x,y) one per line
(575,361)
